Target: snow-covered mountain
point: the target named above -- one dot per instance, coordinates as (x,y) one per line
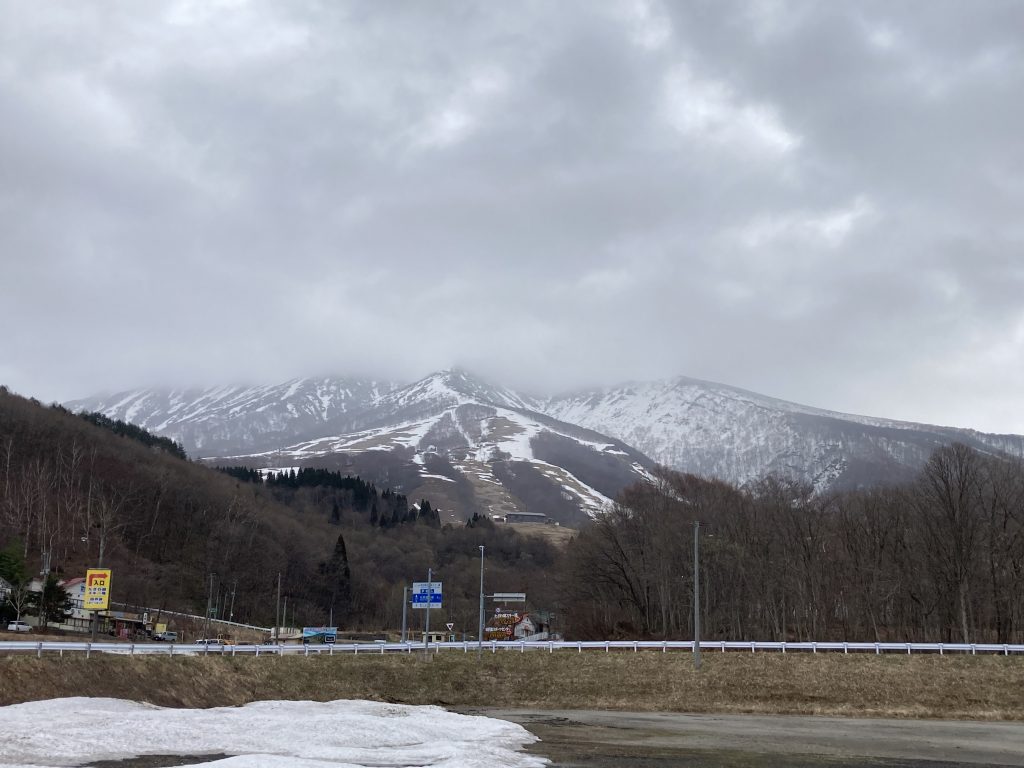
(233,418)
(485,447)
(725,432)
(464,444)
(475,447)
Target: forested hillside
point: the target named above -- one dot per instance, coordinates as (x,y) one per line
(78,492)
(940,559)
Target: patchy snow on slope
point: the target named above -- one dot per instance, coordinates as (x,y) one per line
(266,734)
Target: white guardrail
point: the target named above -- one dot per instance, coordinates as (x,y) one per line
(493,646)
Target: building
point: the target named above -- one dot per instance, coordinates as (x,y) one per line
(79,618)
(5,589)
(526,517)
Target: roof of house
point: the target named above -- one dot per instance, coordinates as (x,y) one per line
(72,582)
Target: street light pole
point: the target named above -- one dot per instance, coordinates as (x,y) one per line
(696,594)
(277,613)
(209,607)
(405,606)
(480,635)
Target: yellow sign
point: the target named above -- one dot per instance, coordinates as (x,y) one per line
(97,589)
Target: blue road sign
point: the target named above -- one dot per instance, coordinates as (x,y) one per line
(426,594)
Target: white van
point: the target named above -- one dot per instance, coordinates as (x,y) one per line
(18,626)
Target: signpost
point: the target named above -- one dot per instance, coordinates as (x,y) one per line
(509,597)
(426,594)
(97,589)
(324,634)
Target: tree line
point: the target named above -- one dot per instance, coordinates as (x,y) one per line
(940,559)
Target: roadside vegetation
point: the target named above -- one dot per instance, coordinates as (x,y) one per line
(962,687)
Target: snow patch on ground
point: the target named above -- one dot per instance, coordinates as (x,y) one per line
(266,734)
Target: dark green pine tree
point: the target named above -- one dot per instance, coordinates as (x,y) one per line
(374,515)
(340,582)
(12,563)
(53,604)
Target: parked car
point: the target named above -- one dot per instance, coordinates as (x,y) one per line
(212,641)
(168,637)
(18,626)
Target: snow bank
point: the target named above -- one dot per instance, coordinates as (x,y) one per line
(267,734)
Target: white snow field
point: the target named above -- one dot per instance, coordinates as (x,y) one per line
(266,734)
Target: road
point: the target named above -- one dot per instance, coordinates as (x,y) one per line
(602,739)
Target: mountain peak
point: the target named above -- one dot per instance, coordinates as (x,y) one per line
(458,386)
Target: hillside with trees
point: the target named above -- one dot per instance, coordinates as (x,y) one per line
(78,492)
(940,559)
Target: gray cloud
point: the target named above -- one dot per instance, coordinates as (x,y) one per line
(816,201)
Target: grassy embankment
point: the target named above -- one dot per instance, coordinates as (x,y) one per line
(866,686)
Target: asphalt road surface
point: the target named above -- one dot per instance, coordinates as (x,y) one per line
(601,739)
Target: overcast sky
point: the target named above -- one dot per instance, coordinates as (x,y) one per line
(820,201)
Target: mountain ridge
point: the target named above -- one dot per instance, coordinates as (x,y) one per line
(688,424)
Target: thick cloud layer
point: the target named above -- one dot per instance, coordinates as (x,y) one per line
(819,201)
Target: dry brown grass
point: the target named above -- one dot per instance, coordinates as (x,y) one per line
(557,535)
(962,687)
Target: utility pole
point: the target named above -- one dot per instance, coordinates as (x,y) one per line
(480,635)
(231,610)
(696,594)
(209,607)
(405,607)
(430,595)
(277,613)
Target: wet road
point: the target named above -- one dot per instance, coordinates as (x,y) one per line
(601,739)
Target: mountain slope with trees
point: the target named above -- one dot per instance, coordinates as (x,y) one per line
(78,494)
(940,559)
